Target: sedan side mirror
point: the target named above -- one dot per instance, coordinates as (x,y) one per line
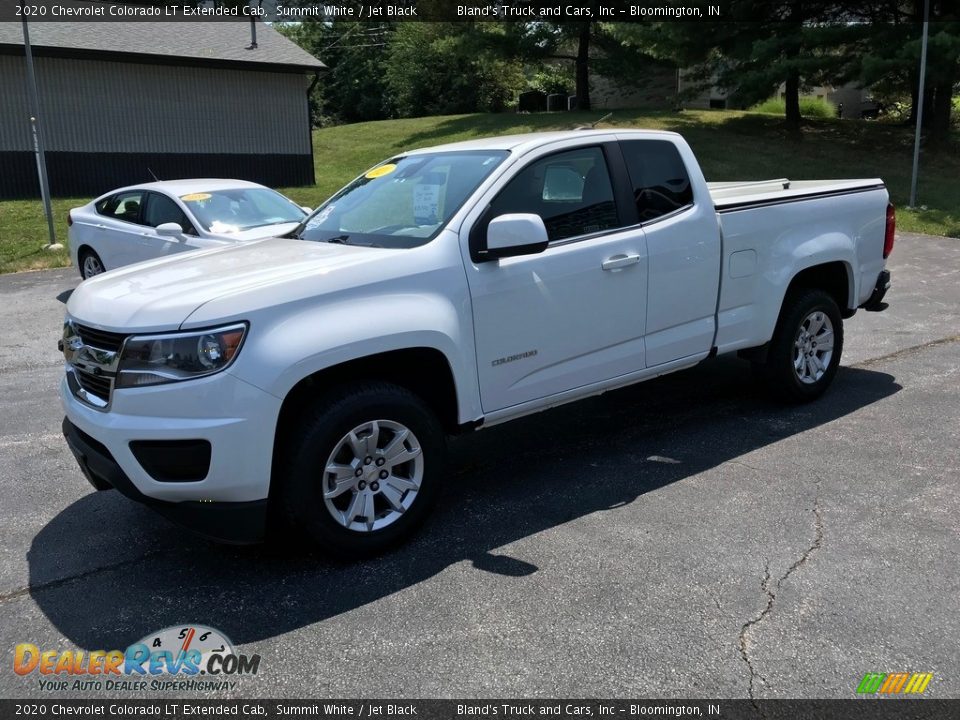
(170,229)
(516,234)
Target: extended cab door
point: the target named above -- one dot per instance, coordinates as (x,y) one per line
(683,244)
(573,314)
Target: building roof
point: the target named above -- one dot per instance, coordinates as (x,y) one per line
(199,42)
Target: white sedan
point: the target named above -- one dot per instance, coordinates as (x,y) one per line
(147,221)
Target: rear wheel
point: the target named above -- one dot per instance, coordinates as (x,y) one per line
(363,469)
(90,263)
(804,353)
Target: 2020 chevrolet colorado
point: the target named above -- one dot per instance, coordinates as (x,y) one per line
(449,288)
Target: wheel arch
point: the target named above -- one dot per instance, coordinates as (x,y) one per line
(834,277)
(424,371)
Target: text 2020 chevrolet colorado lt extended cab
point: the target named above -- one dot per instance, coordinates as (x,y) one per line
(446,289)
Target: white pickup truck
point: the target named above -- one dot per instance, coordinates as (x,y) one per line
(315,378)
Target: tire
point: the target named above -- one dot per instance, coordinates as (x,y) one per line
(799,367)
(400,469)
(90,263)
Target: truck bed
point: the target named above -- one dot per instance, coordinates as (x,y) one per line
(730,195)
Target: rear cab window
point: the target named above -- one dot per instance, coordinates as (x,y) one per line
(661,184)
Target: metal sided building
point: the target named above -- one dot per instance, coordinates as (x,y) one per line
(122,100)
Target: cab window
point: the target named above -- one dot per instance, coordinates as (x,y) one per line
(570,191)
(660,181)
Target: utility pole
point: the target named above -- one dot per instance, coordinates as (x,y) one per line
(923,75)
(37,130)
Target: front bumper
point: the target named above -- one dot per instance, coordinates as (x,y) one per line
(199,452)
(233,522)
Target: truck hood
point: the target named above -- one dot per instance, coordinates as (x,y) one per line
(161,294)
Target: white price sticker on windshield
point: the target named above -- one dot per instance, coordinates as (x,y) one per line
(426,204)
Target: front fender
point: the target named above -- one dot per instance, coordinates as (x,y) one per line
(282,353)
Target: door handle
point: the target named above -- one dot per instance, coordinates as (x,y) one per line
(620,261)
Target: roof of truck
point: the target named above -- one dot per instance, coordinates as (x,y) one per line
(528,141)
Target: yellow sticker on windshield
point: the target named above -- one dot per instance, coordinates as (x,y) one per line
(381,171)
(195,197)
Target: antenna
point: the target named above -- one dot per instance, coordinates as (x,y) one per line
(591,126)
(153,175)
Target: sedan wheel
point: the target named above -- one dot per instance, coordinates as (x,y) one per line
(91,265)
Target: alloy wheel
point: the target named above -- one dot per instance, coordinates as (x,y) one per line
(813,347)
(373,475)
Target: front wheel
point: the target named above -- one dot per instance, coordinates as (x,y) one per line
(804,354)
(363,469)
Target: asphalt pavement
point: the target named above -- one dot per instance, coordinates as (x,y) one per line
(686,537)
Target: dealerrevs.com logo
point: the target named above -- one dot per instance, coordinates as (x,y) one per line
(179,658)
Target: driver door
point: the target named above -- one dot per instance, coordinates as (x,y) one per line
(574,314)
(161,209)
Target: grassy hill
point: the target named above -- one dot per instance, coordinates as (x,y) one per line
(730,145)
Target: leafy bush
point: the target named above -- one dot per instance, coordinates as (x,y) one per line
(448,68)
(553,78)
(809,107)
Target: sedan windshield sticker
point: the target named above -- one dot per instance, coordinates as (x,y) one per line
(195,197)
(381,171)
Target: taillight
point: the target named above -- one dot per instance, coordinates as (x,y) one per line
(70,221)
(890,231)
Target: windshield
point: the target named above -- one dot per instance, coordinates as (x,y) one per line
(401,203)
(229,211)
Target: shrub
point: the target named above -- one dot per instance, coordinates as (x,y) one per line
(809,107)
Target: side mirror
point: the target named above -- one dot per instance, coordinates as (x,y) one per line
(306,209)
(170,229)
(516,234)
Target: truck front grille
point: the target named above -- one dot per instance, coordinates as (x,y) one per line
(93,357)
(102,339)
(97,385)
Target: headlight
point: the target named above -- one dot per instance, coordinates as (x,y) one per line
(171,357)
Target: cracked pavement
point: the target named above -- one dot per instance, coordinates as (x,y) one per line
(685,537)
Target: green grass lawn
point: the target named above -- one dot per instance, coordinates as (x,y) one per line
(730,145)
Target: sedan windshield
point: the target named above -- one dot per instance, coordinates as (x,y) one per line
(401,203)
(229,211)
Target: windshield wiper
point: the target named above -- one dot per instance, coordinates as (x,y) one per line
(339,240)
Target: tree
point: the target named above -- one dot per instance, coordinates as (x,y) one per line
(353,88)
(441,68)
